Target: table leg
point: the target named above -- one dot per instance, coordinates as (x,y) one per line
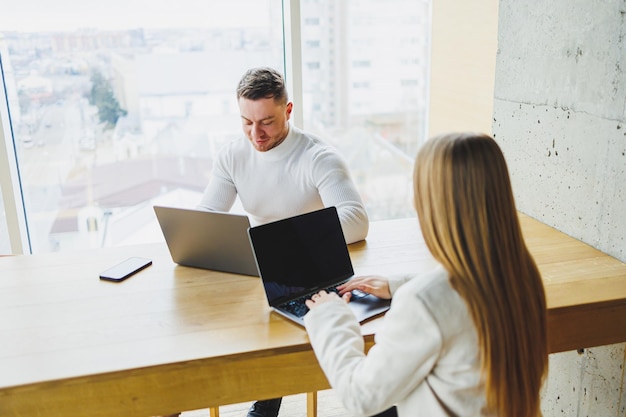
(311,404)
(214,412)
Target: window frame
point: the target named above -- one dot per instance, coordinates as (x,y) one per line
(10,183)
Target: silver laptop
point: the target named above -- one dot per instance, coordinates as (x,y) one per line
(208,239)
(299,256)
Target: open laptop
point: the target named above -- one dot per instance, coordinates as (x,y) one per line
(299,256)
(208,239)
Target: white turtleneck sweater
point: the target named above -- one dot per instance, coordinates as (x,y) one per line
(300,175)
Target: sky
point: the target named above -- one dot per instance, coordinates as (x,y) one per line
(68,15)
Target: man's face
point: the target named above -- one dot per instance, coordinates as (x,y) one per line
(264,122)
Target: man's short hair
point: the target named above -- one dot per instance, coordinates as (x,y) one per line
(262,82)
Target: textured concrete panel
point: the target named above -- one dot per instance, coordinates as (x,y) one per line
(562,387)
(585,383)
(568,54)
(560,118)
(560,114)
(601,381)
(622,400)
(568,169)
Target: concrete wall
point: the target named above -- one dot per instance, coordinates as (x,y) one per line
(560,117)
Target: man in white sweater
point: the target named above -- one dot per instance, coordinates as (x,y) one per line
(280,171)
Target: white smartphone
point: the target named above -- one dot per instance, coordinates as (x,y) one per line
(125,269)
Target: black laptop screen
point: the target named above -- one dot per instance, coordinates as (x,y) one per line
(300,254)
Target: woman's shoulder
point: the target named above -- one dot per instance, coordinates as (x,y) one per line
(426,282)
(434,290)
(443,303)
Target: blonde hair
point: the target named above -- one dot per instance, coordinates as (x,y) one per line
(468,217)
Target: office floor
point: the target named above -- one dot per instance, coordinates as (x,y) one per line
(328,405)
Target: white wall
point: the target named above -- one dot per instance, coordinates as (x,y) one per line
(560,117)
(463,58)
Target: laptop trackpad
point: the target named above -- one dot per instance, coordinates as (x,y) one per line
(366,305)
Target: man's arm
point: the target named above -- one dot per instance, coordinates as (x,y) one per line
(220,193)
(354,220)
(337,189)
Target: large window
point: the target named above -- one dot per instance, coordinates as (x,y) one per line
(116,106)
(364,74)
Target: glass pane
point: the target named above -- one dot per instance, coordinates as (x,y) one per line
(365,76)
(120,105)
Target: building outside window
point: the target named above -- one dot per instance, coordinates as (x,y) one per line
(114,109)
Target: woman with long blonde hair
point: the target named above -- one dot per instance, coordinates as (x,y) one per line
(465,339)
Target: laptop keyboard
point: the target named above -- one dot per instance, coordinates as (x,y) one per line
(298,308)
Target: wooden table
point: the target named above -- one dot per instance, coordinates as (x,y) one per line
(175,338)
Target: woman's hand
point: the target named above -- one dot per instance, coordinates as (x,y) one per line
(371,284)
(323,297)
